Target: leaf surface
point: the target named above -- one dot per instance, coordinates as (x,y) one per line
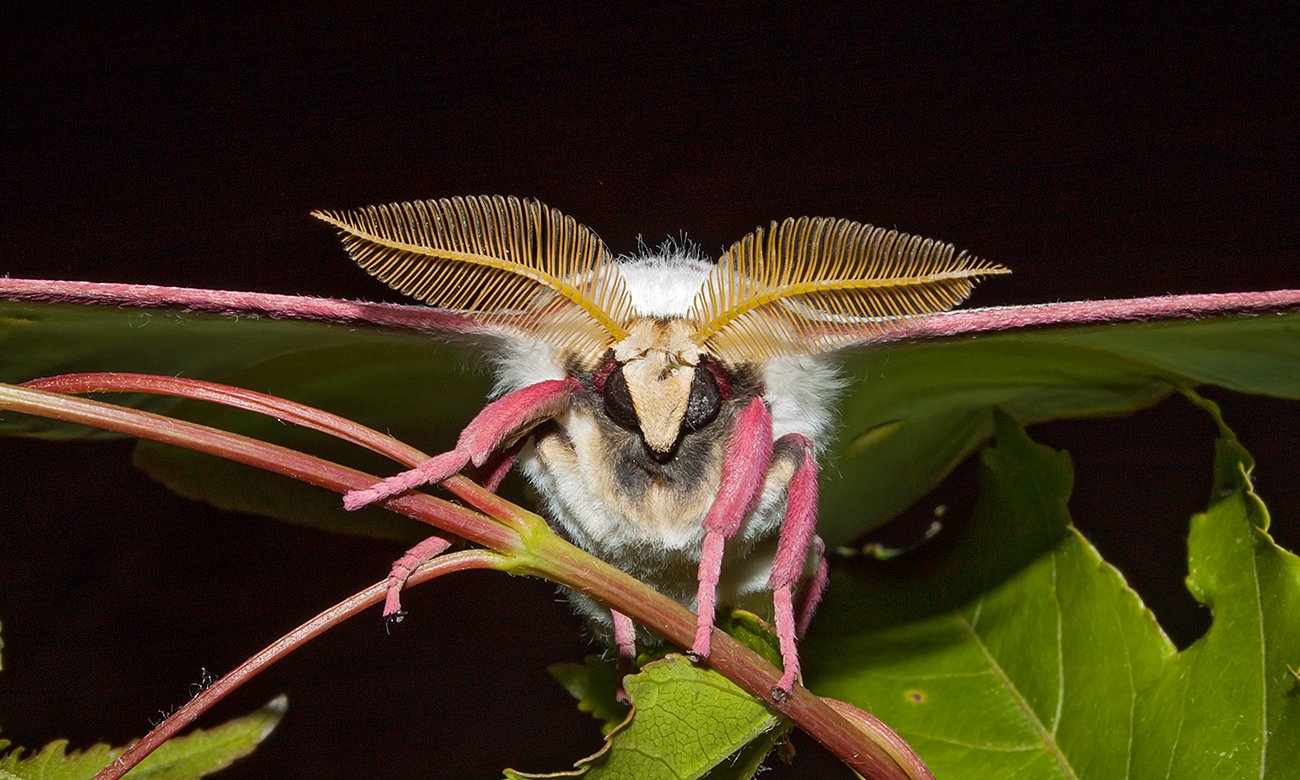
(913,412)
(197,754)
(412,385)
(1018,652)
(686,721)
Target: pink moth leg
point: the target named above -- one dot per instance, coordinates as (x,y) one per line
(500,421)
(791,556)
(744,468)
(625,641)
(493,472)
(810,595)
(424,551)
(498,467)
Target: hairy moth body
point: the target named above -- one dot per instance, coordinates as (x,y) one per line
(665,407)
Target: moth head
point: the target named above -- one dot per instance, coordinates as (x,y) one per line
(658,383)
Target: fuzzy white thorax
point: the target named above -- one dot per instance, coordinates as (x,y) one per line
(800,391)
(665,281)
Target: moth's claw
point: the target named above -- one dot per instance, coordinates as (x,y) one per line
(703,642)
(393,618)
(781,691)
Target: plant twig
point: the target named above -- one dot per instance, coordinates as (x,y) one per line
(526,543)
(349,607)
(445,515)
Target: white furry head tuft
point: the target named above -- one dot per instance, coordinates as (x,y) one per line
(663,281)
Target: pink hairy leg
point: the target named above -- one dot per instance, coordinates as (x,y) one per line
(424,551)
(744,468)
(500,421)
(810,595)
(792,554)
(625,641)
(498,467)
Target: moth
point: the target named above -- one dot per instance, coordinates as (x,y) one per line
(666,409)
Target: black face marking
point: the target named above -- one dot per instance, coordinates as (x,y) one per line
(636,467)
(618,400)
(704,401)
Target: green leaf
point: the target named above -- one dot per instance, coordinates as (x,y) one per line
(1019,652)
(911,413)
(197,754)
(1229,705)
(594,683)
(686,721)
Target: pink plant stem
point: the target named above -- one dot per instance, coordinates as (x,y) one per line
(458,520)
(545,555)
(426,319)
(288,411)
(555,559)
(882,734)
(349,607)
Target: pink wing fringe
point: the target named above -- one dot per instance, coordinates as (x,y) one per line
(298,307)
(423,318)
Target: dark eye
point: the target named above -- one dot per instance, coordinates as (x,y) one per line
(618,400)
(702,405)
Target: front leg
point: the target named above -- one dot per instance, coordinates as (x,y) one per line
(744,468)
(501,422)
(791,558)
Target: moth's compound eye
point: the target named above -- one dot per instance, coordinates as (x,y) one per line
(618,400)
(702,405)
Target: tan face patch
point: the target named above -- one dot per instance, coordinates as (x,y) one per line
(659,360)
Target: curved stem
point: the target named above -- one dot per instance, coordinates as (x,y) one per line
(288,411)
(554,559)
(529,546)
(441,514)
(349,607)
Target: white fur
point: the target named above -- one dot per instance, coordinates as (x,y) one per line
(664,283)
(521,362)
(800,391)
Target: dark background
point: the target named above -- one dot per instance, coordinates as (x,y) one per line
(1098,154)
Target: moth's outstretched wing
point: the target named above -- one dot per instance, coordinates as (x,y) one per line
(918,404)
(408,370)
(918,400)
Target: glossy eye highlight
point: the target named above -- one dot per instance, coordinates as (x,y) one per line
(706,397)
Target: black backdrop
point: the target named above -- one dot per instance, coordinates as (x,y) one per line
(1099,154)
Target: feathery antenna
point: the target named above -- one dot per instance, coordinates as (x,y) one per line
(502,261)
(816,284)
